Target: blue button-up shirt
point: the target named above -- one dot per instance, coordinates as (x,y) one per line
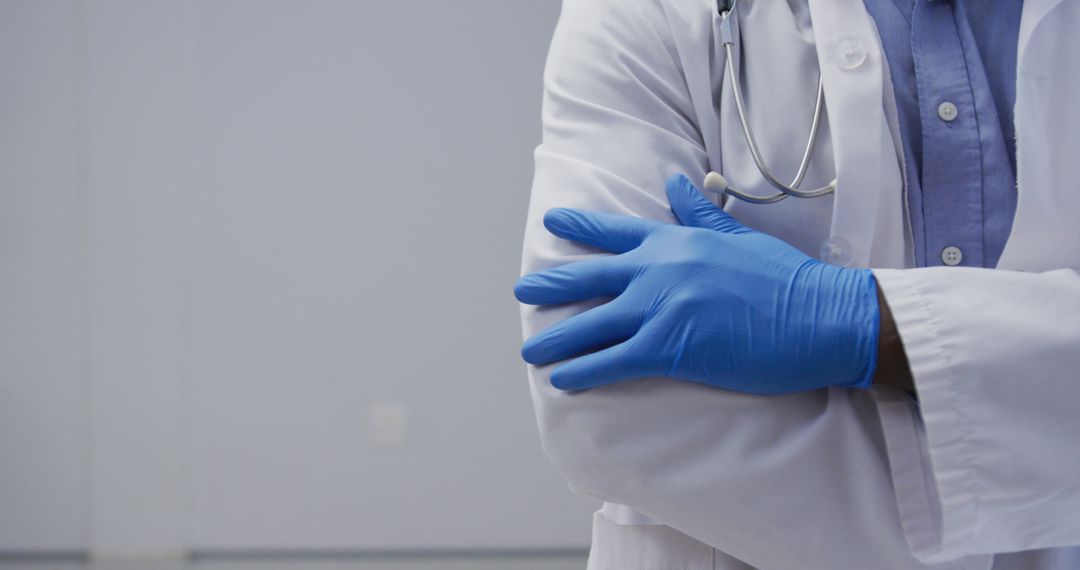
(953,67)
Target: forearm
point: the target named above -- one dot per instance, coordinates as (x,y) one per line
(892,370)
(735,471)
(732,470)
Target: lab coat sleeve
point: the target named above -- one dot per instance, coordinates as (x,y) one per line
(796,481)
(989,459)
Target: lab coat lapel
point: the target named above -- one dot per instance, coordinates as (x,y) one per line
(868,208)
(1044,234)
(1035,11)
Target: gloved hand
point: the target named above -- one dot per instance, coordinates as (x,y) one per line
(711,301)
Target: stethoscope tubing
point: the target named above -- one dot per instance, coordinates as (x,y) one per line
(785,190)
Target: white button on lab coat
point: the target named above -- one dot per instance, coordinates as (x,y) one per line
(987,461)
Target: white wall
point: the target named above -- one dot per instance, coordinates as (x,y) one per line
(231,232)
(43,262)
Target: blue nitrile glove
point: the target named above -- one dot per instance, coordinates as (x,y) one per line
(711,301)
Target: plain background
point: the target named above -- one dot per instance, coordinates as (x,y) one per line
(256,260)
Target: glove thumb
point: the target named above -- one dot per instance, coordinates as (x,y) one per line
(694,210)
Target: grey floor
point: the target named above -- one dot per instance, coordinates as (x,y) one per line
(537,562)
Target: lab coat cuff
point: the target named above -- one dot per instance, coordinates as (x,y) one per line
(928,443)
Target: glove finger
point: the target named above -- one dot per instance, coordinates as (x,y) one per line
(579,281)
(694,210)
(596,328)
(609,232)
(624,361)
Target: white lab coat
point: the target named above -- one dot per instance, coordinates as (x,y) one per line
(987,461)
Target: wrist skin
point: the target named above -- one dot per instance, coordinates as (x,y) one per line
(892,363)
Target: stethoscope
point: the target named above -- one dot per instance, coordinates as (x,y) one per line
(714,181)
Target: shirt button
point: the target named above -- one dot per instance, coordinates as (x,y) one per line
(952,255)
(850,53)
(947,111)
(836,251)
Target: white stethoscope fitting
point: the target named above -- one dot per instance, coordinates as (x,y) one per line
(714,181)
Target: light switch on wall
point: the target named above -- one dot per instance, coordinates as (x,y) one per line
(388,424)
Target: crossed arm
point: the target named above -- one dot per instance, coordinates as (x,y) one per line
(742,472)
